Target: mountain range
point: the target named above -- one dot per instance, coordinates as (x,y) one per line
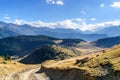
(110,31)
(10,29)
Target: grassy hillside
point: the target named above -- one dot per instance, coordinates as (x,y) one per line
(48,53)
(104,65)
(23,44)
(107,42)
(8,67)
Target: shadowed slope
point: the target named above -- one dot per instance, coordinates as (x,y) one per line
(48,53)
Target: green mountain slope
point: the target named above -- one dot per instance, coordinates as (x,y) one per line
(28,44)
(107,42)
(48,53)
(23,44)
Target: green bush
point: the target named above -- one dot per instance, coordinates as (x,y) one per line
(4,62)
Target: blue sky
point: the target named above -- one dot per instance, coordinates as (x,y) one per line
(64,12)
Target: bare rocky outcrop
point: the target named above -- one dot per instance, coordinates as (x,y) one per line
(67,74)
(77,74)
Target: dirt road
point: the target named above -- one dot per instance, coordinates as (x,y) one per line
(27,75)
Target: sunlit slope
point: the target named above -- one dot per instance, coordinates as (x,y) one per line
(104,65)
(9,67)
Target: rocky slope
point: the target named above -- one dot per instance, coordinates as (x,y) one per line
(104,65)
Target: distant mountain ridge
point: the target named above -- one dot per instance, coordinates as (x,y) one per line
(28,44)
(110,31)
(107,42)
(10,29)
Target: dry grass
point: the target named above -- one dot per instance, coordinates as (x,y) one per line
(96,64)
(9,67)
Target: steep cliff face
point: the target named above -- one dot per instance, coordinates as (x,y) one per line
(77,74)
(104,65)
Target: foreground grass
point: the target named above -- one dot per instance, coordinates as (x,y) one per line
(9,67)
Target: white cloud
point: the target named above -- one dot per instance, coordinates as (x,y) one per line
(102,5)
(61,24)
(60,2)
(92,19)
(19,22)
(57,2)
(93,27)
(6,17)
(115,4)
(50,1)
(77,23)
